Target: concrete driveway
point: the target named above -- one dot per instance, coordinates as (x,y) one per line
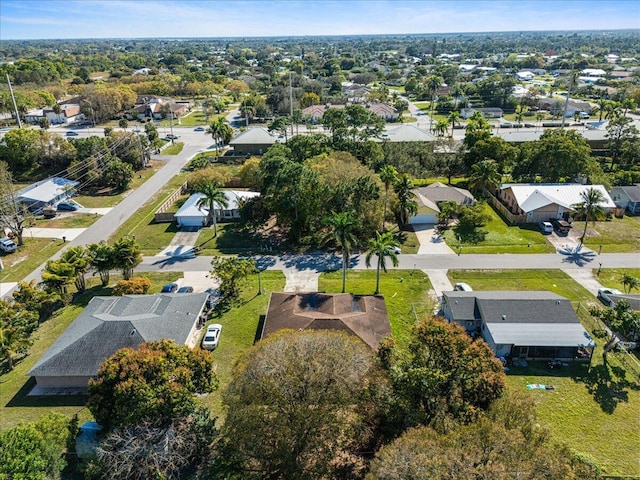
(430,241)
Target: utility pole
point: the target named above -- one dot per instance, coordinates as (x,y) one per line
(171,125)
(566,102)
(291,102)
(15,105)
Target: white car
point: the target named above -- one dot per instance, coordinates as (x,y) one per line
(7,245)
(546,228)
(212,336)
(604,295)
(462,287)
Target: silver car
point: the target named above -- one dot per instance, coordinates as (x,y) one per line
(212,336)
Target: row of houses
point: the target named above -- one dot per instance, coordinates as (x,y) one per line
(385,111)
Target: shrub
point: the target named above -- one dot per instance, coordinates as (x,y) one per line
(134,286)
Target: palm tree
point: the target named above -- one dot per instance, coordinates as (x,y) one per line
(485,176)
(101,260)
(79,259)
(57,275)
(13,340)
(383,245)
(127,255)
(388,175)
(342,225)
(407,206)
(630,282)
(212,196)
(453,119)
(433,82)
(441,128)
(589,207)
(220,131)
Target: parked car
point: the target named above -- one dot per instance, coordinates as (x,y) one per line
(604,295)
(561,227)
(7,245)
(198,129)
(212,336)
(462,287)
(67,207)
(546,228)
(71,133)
(185,289)
(171,136)
(169,288)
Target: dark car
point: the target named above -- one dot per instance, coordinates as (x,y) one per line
(71,134)
(169,288)
(198,129)
(561,227)
(67,207)
(185,289)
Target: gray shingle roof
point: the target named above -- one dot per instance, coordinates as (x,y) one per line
(253,136)
(108,324)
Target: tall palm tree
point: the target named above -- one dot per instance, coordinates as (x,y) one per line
(407,206)
(220,131)
(342,226)
(127,255)
(388,175)
(485,176)
(433,82)
(590,207)
(212,196)
(101,260)
(630,282)
(79,259)
(453,119)
(383,245)
(441,128)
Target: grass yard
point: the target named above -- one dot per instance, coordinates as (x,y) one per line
(502,238)
(15,405)
(67,220)
(239,330)
(612,277)
(616,236)
(152,236)
(231,240)
(28,257)
(593,409)
(103,201)
(174,149)
(405,293)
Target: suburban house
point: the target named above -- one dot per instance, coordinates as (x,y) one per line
(355,92)
(385,111)
(152,106)
(525,76)
(254,141)
(527,325)
(430,197)
(46,192)
(191,215)
(557,106)
(627,197)
(362,315)
(488,112)
(633,299)
(406,133)
(316,112)
(538,202)
(69,113)
(108,324)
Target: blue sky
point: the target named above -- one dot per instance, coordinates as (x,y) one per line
(28,19)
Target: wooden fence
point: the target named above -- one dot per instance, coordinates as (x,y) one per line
(161,215)
(512,218)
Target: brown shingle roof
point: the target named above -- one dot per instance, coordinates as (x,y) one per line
(364,316)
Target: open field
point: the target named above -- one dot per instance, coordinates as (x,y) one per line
(616,236)
(502,238)
(67,220)
(22,262)
(15,405)
(612,277)
(594,407)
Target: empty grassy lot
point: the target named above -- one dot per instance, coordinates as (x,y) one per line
(594,408)
(15,405)
(502,238)
(616,236)
(67,220)
(26,259)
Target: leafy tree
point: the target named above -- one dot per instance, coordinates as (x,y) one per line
(232,272)
(57,275)
(485,176)
(296,406)
(308,99)
(382,246)
(620,319)
(342,226)
(630,282)
(44,123)
(13,214)
(102,260)
(589,208)
(212,196)
(123,123)
(117,174)
(442,373)
(478,128)
(155,383)
(31,296)
(280,125)
(133,286)
(493,148)
(249,173)
(621,135)
(304,147)
(20,148)
(35,451)
(471,219)
(407,206)
(16,327)
(126,255)
(389,176)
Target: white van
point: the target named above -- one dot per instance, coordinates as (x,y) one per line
(7,245)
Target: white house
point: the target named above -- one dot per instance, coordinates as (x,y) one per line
(192,215)
(525,76)
(46,192)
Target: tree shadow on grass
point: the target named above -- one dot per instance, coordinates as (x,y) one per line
(608,386)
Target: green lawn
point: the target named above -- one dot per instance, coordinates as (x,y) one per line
(15,405)
(174,149)
(232,239)
(405,291)
(109,200)
(593,409)
(152,236)
(502,238)
(28,257)
(612,277)
(67,220)
(615,236)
